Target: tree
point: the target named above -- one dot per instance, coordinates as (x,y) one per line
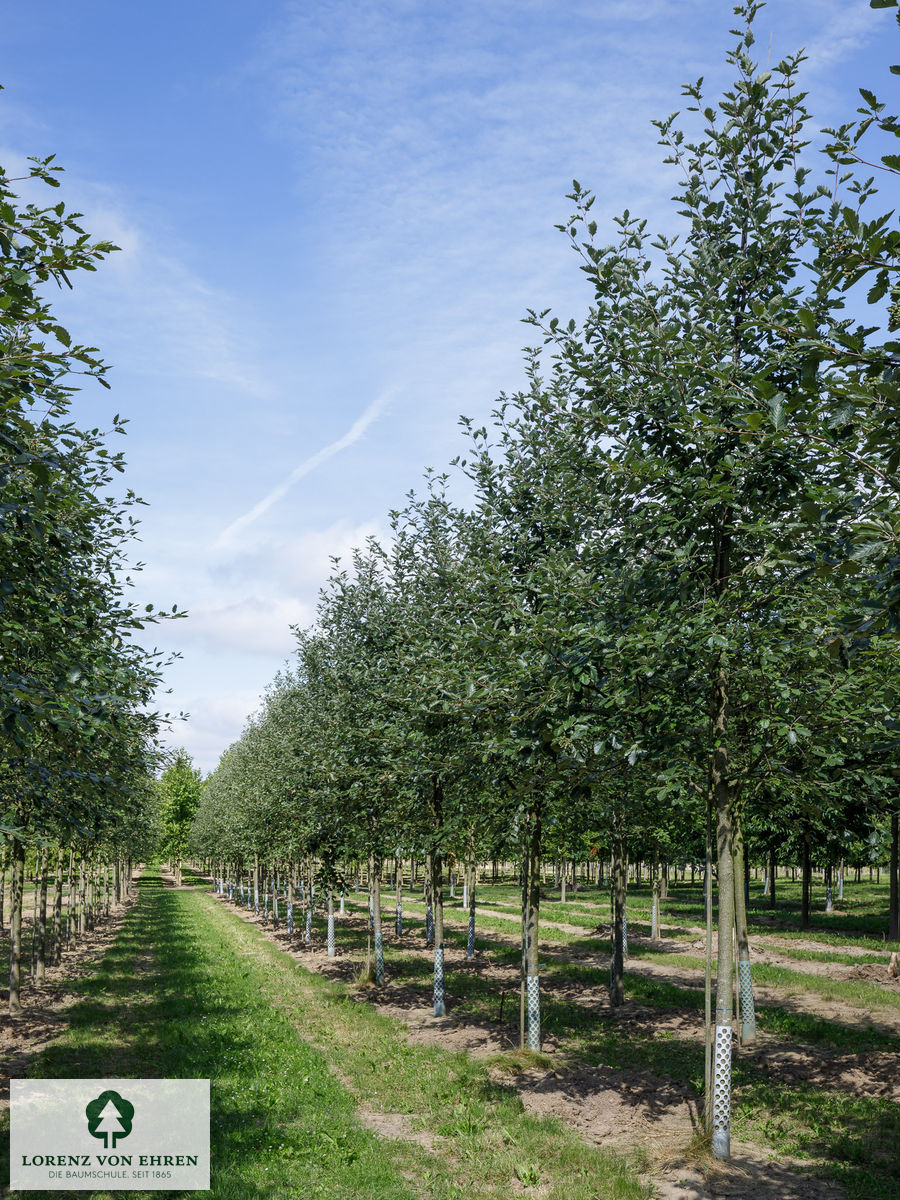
(180,789)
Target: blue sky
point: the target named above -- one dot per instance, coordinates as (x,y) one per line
(333,217)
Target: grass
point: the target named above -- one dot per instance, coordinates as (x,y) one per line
(190,989)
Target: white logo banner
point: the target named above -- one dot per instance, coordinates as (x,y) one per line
(109,1134)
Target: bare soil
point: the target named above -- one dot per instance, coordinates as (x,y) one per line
(43,1017)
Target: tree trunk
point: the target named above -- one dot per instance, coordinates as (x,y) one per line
(618,882)
(531,896)
(42,921)
(470,934)
(773,871)
(377,932)
(745,975)
(4,864)
(398,928)
(56,942)
(721,791)
(805,882)
(894,900)
(429,900)
(17,890)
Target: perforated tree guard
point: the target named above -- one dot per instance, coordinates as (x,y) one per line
(654,919)
(399,925)
(748,1009)
(624,935)
(290,919)
(470,940)
(533,1011)
(308,934)
(342,902)
(721,1115)
(266,907)
(439,981)
(829,900)
(429,925)
(465,896)
(331,934)
(379,957)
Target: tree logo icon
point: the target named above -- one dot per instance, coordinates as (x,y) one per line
(109,1116)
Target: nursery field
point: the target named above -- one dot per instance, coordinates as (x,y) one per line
(324,1086)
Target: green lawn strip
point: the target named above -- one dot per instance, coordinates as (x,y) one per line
(488,1147)
(856,992)
(832,956)
(457,918)
(823,937)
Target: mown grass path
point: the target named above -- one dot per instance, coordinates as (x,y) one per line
(189,990)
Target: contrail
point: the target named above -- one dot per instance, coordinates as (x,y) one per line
(353,434)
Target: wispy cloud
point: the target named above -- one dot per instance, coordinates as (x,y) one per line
(353,434)
(849,27)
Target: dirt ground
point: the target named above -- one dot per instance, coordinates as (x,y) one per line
(44,1009)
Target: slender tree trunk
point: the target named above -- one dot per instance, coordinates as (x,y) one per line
(532,919)
(40,972)
(618,881)
(745,975)
(429,901)
(437,892)
(377,932)
(894,900)
(56,943)
(398,926)
(707,981)
(4,864)
(805,882)
(721,791)
(35,902)
(773,867)
(470,936)
(436,872)
(17,891)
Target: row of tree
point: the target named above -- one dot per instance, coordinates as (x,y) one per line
(77,728)
(665,625)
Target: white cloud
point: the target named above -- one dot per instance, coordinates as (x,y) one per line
(252,625)
(353,434)
(851,25)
